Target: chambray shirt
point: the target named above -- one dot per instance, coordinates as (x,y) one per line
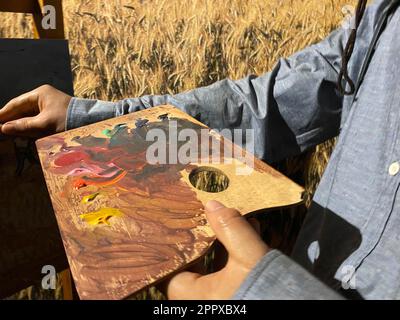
(349,245)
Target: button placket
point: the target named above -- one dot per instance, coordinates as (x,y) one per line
(387,200)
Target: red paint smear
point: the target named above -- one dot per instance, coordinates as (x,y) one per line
(71,158)
(81,182)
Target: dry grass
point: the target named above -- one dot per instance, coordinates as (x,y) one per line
(131,48)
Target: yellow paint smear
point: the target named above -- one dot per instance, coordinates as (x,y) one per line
(101,216)
(90,197)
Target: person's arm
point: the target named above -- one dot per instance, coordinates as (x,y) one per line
(291,108)
(277,277)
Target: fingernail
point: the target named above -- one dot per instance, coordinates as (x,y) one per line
(213,206)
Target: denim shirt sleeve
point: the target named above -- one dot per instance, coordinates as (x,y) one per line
(291,108)
(277,277)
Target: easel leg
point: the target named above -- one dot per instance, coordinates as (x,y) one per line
(66,283)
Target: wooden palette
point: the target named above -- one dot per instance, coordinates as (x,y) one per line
(126,223)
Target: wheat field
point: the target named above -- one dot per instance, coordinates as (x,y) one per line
(124,48)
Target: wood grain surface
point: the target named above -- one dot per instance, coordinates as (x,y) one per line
(126,223)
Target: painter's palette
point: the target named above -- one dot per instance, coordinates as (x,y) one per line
(127,222)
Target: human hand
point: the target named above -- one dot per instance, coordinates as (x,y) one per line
(37,113)
(244,247)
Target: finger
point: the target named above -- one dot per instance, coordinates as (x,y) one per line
(24,127)
(198,267)
(235,233)
(22,106)
(181,286)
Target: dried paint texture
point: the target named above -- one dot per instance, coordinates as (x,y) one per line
(101,216)
(146,222)
(162,227)
(90,197)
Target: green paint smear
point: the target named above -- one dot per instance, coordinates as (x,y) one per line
(107,132)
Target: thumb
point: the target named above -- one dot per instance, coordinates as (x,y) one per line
(25,127)
(238,236)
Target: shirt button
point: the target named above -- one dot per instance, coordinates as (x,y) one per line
(394,168)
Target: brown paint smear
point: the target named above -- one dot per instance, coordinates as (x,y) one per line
(146,223)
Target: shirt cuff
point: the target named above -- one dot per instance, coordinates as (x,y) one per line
(277,277)
(82,112)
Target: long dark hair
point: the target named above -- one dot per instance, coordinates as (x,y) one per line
(348,51)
